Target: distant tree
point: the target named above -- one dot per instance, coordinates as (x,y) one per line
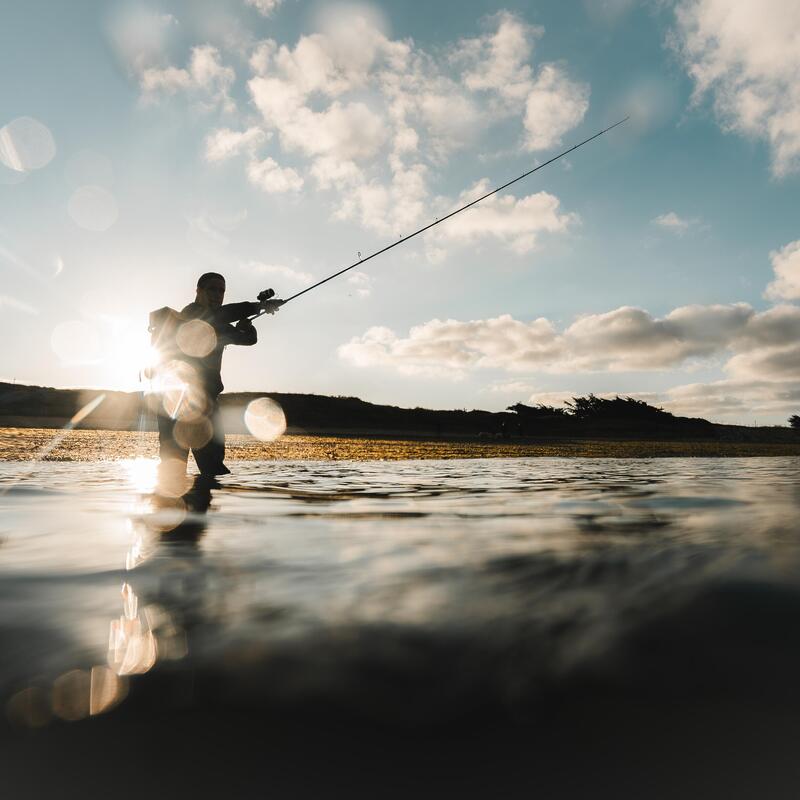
(794,421)
(595,408)
(539,411)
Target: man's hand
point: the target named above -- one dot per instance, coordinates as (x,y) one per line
(271,306)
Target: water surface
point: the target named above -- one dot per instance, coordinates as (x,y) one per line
(407,594)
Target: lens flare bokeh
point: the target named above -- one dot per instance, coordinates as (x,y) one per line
(265,419)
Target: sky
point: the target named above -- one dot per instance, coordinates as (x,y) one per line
(277,141)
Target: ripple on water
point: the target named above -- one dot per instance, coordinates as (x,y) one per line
(297,578)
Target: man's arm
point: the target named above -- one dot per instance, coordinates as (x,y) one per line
(235,312)
(244,332)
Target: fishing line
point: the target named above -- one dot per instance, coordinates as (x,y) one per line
(451,214)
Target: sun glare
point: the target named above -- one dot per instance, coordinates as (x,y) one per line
(142,473)
(130,354)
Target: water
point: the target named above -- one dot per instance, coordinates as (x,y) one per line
(491,607)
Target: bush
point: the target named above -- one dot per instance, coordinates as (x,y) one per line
(794,422)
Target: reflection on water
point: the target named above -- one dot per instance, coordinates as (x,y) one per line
(298,579)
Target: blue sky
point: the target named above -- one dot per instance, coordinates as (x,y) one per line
(142,144)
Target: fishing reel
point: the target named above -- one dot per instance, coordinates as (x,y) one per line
(265,295)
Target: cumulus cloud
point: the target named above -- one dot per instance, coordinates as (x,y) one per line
(375,118)
(555,105)
(786,263)
(361,282)
(349,131)
(452,347)
(264,7)
(272,178)
(734,399)
(206,77)
(139,37)
(224,143)
(498,63)
(626,339)
(672,222)
(745,56)
(517,222)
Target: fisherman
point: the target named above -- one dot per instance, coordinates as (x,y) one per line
(191,344)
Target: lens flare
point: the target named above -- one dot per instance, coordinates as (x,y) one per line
(26,144)
(71,695)
(196,338)
(181,395)
(106,690)
(93,208)
(194,433)
(265,419)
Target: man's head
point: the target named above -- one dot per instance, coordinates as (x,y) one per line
(210,290)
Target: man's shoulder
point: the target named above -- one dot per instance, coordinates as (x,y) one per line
(193,310)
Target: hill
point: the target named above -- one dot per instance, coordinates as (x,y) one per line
(586,417)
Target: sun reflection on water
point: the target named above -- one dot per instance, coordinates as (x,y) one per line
(142,473)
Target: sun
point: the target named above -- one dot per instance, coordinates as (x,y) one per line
(129,354)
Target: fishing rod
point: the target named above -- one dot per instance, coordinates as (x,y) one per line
(264,296)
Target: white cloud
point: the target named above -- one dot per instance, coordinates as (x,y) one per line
(555,105)
(512,388)
(138,36)
(349,131)
(734,399)
(264,7)
(206,77)
(272,178)
(361,282)
(623,340)
(672,222)
(224,143)
(376,118)
(517,223)
(786,263)
(745,56)
(497,63)
(452,347)
(279,271)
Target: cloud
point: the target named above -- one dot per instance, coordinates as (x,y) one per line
(206,77)
(733,399)
(361,282)
(516,222)
(626,339)
(139,37)
(264,7)
(348,131)
(512,388)
(498,61)
(224,143)
(745,56)
(786,263)
(498,64)
(773,363)
(376,118)
(672,222)
(452,347)
(272,178)
(555,105)
(279,271)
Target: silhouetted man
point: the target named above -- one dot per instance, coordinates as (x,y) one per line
(192,344)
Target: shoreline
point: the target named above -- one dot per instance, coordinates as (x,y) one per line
(83,444)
